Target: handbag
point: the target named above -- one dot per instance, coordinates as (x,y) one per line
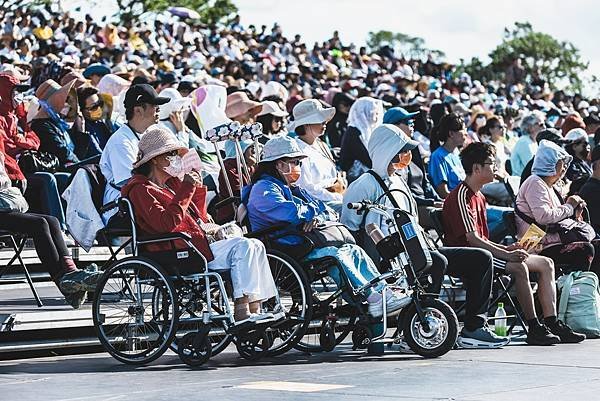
(11,200)
(33,161)
(569,230)
(330,233)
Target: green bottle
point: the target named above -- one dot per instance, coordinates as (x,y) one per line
(500,321)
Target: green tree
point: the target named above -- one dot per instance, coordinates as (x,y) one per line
(410,46)
(555,61)
(211,11)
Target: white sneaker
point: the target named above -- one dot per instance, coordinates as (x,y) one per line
(393,304)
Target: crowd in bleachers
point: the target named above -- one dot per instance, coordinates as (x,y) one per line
(339,123)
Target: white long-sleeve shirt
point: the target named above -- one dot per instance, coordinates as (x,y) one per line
(318,172)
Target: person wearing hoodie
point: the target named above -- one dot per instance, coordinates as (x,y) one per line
(391,151)
(163,204)
(41,189)
(364,115)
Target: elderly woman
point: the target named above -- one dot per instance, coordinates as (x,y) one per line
(540,201)
(319,176)
(164,203)
(364,115)
(526,146)
(274,198)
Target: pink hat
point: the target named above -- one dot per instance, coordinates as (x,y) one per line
(238,103)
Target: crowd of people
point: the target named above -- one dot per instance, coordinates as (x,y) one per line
(340,124)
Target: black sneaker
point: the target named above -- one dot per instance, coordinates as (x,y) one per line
(566,334)
(540,335)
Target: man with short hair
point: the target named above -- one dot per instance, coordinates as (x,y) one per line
(590,191)
(141,111)
(93,133)
(465,213)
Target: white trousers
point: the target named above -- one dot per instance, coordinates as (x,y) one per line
(247,260)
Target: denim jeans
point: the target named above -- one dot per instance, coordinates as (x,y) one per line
(355,262)
(43,194)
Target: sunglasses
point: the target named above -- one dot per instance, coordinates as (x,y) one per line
(296,162)
(410,123)
(95,106)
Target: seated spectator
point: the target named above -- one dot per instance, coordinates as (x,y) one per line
(141,109)
(465,212)
(445,170)
(50,125)
(579,170)
(95,72)
(415,176)
(97,127)
(234,176)
(49,245)
(342,102)
(364,115)
(590,191)
(526,146)
(171,115)
(273,198)
(42,189)
(165,204)
(272,118)
(540,201)
(319,176)
(492,132)
(550,134)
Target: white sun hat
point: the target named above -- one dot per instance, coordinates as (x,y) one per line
(310,111)
(177,103)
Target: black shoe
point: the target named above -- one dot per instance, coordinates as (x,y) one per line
(566,334)
(540,335)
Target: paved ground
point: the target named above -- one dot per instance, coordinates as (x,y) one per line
(518,372)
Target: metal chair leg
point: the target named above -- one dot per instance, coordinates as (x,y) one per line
(18,251)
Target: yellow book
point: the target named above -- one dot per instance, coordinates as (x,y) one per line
(532,237)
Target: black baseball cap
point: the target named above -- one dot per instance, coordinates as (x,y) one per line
(143,94)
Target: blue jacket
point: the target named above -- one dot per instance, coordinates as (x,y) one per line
(270,201)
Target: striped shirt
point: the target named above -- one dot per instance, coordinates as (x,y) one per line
(464,212)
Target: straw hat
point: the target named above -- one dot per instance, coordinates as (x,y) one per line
(238,103)
(310,111)
(156,141)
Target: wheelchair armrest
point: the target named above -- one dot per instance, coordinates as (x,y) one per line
(227,201)
(266,231)
(146,239)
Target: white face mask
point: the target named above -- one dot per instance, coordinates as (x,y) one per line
(175,167)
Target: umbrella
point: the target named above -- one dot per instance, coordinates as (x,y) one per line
(184,12)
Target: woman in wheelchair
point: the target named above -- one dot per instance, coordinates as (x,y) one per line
(166,200)
(273,199)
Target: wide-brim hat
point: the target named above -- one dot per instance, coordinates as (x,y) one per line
(156,141)
(54,94)
(270,107)
(310,111)
(239,103)
(281,146)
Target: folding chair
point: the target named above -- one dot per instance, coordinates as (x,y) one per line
(17,243)
(502,282)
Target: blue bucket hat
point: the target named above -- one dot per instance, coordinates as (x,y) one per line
(397,114)
(230,148)
(96,69)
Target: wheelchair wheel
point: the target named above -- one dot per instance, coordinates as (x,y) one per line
(128,325)
(293,289)
(335,315)
(194,349)
(440,335)
(253,345)
(191,303)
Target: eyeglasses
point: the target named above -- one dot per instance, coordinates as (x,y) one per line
(95,106)
(493,164)
(410,123)
(171,153)
(295,162)
(580,143)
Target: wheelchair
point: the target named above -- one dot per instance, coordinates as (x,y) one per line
(149,302)
(428,325)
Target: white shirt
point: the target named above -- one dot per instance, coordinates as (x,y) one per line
(318,172)
(118,156)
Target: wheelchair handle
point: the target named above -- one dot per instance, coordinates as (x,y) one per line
(360,206)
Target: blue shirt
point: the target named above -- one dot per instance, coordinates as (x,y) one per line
(445,167)
(270,201)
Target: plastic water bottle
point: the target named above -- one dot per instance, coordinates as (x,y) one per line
(500,321)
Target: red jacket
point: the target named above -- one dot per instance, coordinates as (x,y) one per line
(160,211)
(10,119)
